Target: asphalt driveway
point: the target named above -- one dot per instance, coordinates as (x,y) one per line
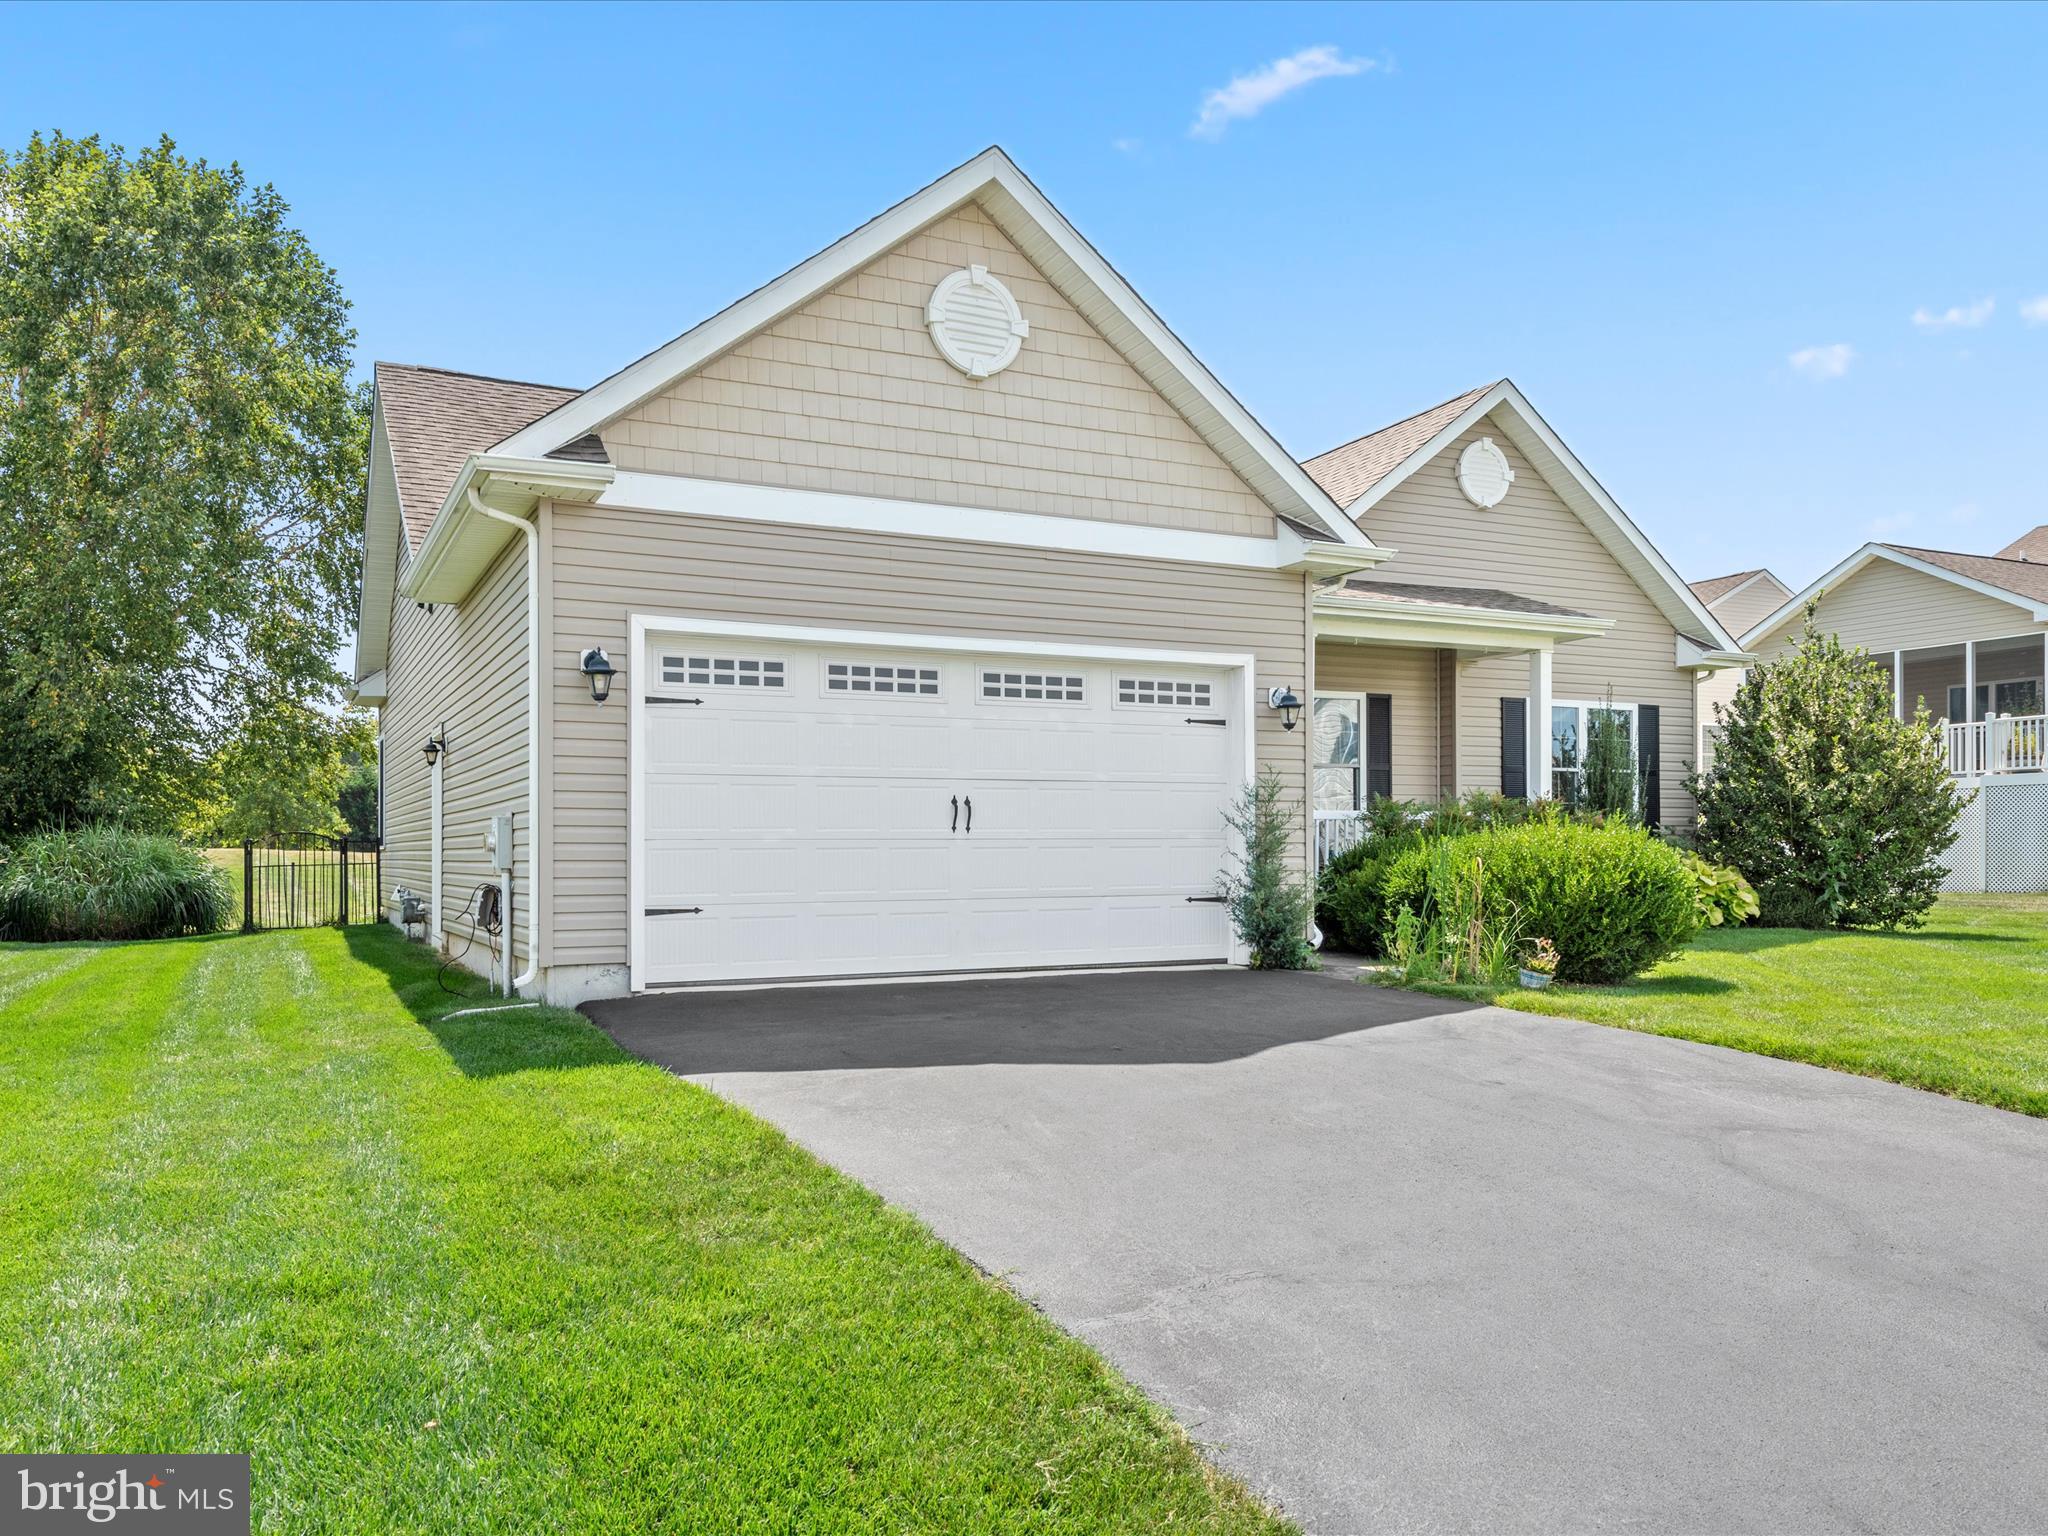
(1408,1266)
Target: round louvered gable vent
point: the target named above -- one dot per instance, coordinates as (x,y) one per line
(1483,473)
(975,322)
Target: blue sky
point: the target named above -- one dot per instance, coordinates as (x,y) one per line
(1641,215)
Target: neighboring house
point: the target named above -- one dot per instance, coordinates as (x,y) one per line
(1964,637)
(948,602)
(1740,601)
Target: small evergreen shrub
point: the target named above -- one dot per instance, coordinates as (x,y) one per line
(1613,898)
(1350,906)
(106,882)
(1269,906)
(1836,812)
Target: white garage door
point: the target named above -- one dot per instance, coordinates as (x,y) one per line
(827,811)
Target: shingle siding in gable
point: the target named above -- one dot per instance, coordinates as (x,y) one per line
(849,395)
(1533,543)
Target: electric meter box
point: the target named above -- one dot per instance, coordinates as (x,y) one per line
(498,839)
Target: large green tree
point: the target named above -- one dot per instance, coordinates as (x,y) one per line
(180,470)
(1835,810)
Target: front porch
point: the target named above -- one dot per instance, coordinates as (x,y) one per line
(1424,693)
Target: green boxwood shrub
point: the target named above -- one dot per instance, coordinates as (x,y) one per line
(1614,898)
(106,882)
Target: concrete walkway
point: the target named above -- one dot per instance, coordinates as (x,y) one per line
(1410,1266)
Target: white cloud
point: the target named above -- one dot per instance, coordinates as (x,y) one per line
(1966,317)
(1895,522)
(1249,95)
(1127,146)
(1964,512)
(1828,362)
(2035,311)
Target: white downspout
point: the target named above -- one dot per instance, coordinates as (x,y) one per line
(533,854)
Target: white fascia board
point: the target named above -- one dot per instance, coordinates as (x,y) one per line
(989,170)
(1690,656)
(460,544)
(1610,524)
(383,539)
(2038,612)
(373,689)
(684,496)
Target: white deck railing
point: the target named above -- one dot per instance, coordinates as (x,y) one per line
(2001,744)
(1336,831)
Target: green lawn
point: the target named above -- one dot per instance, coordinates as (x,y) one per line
(491,1274)
(1960,1006)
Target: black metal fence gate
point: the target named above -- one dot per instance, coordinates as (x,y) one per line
(310,880)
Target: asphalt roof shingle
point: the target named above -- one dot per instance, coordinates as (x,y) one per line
(1348,471)
(2026,578)
(2031,546)
(1421,595)
(435,419)
(1714,588)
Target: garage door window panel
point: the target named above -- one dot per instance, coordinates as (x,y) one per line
(701,670)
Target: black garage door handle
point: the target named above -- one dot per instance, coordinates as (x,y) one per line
(970,813)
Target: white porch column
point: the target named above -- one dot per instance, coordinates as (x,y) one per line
(1969,680)
(1539,724)
(1898,685)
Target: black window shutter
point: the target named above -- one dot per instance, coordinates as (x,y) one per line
(1379,747)
(1514,748)
(1650,762)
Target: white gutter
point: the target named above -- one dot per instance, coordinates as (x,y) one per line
(533,858)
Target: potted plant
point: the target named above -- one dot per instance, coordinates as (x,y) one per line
(1539,969)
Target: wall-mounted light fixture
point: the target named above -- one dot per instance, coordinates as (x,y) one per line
(1288,702)
(597,671)
(435,745)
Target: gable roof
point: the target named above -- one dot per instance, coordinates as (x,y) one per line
(1714,588)
(435,418)
(1069,263)
(1351,469)
(2022,583)
(1356,470)
(2022,577)
(2028,546)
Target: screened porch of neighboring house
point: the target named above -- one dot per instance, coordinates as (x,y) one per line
(1423,693)
(1990,695)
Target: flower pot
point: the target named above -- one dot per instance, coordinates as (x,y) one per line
(1536,981)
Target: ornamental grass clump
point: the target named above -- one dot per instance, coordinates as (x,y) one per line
(106,882)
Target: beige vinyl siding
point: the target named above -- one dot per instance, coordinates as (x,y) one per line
(1408,675)
(849,394)
(1718,691)
(463,665)
(609,564)
(1889,607)
(1742,610)
(1533,544)
(1930,678)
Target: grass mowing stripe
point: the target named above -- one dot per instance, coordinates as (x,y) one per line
(492,1274)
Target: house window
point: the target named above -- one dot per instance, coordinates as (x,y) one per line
(1587,735)
(880,677)
(1339,743)
(1171,692)
(1035,687)
(2022,696)
(723,671)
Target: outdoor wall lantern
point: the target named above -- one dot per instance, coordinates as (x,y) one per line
(435,745)
(597,671)
(1288,702)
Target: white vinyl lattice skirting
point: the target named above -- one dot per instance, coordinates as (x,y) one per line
(2002,837)
(2016,836)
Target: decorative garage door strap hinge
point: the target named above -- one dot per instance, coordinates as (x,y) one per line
(672,911)
(1198,720)
(655,698)
(1218,900)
